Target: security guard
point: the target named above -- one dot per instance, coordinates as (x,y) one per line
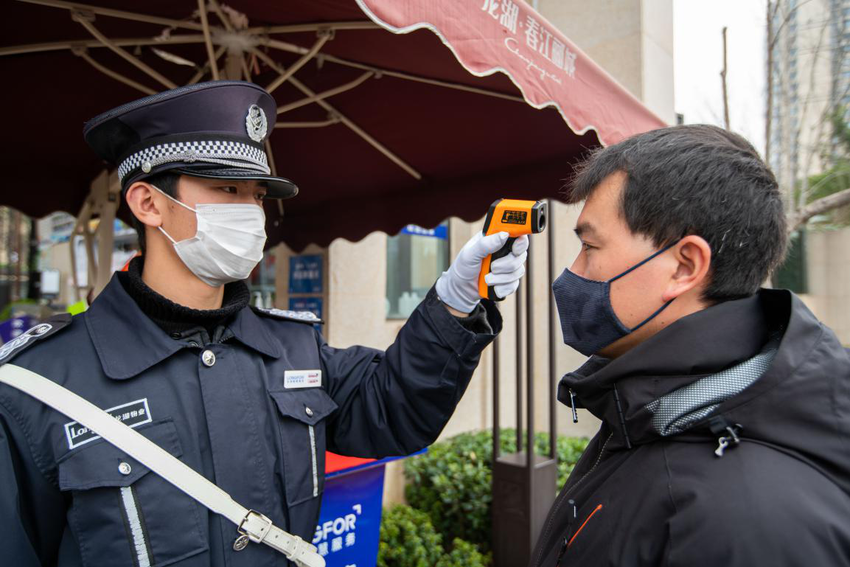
(249,398)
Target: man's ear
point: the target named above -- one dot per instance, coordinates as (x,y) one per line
(141,198)
(693,255)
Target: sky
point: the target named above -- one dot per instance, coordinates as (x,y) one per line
(698,60)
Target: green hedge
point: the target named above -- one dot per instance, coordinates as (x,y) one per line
(451,483)
(408,539)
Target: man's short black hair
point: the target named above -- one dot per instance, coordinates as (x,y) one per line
(703,180)
(166,181)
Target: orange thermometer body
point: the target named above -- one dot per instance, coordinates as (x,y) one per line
(515,217)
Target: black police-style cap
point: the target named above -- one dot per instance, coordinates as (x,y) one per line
(214,130)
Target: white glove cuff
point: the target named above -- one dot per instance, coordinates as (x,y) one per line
(450,294)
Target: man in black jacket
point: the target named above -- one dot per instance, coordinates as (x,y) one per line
(725,408)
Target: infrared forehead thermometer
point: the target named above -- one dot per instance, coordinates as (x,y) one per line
(515,217)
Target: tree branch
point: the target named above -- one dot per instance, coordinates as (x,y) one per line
(818,207)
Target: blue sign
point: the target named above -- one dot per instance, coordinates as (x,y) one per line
(440,231)
(350,522)
(305,274)
(311,304)
(16,326)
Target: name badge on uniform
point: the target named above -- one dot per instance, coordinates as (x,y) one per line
(133,414)
(302,379)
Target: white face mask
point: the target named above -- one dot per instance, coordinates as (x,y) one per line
(228,244)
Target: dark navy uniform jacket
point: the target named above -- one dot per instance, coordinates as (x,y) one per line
(252,418)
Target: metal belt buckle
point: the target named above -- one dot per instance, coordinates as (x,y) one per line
(255,535)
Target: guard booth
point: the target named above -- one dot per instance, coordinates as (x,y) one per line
(389,114)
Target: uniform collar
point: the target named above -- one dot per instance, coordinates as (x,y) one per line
(250,330)
(128,342)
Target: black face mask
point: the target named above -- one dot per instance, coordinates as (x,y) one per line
(588,321)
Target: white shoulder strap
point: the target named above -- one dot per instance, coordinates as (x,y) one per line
(251,525)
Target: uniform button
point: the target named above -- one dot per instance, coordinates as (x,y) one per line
(125,468)
(309,412)
(208,357)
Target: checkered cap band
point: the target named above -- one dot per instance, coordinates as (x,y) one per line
(680,409)
(220,152)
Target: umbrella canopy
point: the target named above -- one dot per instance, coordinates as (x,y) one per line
(389,112)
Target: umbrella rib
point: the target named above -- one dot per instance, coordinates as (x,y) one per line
(291,48)
(300,28)
(81,19)
(246,73)
(206,67)
(122,14)
(202,11)
(224,19)
(323,38)
(110,73)
(326,94)
(343,118)
(93,43)
(322,124)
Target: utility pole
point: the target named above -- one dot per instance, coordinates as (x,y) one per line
(768,119)
(19,255)
(34,287)
(723,79)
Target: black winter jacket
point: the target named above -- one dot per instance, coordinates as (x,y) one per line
(651,488)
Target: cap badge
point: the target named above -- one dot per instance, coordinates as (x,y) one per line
(256,123)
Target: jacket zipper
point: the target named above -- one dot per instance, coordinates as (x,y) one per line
(568,540)
(315,461)
(547,530)
(572,518)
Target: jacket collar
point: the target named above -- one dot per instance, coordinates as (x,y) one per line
(617,391)
(248,328)
(127,342)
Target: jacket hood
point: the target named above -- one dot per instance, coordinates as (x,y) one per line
(800,404)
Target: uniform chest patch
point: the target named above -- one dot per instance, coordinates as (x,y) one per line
(302,379)
(132,414)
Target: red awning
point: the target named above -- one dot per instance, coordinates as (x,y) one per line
(436,109)
(508,36)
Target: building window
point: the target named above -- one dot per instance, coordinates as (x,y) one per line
(261,282)
(415,259)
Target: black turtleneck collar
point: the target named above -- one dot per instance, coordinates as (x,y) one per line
(174,318)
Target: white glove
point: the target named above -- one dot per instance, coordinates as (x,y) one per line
(458,286)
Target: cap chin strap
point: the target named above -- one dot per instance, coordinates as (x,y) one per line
(251,524)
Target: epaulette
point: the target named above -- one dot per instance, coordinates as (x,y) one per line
(297,316)
(37,333)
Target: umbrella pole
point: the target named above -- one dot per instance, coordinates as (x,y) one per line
(103,201)
(108,195)
(202,11)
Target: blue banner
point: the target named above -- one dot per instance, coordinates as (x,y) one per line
(16,326)
(311,304)
(350,521)
(305,274)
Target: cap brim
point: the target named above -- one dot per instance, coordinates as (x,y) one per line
(278,187)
